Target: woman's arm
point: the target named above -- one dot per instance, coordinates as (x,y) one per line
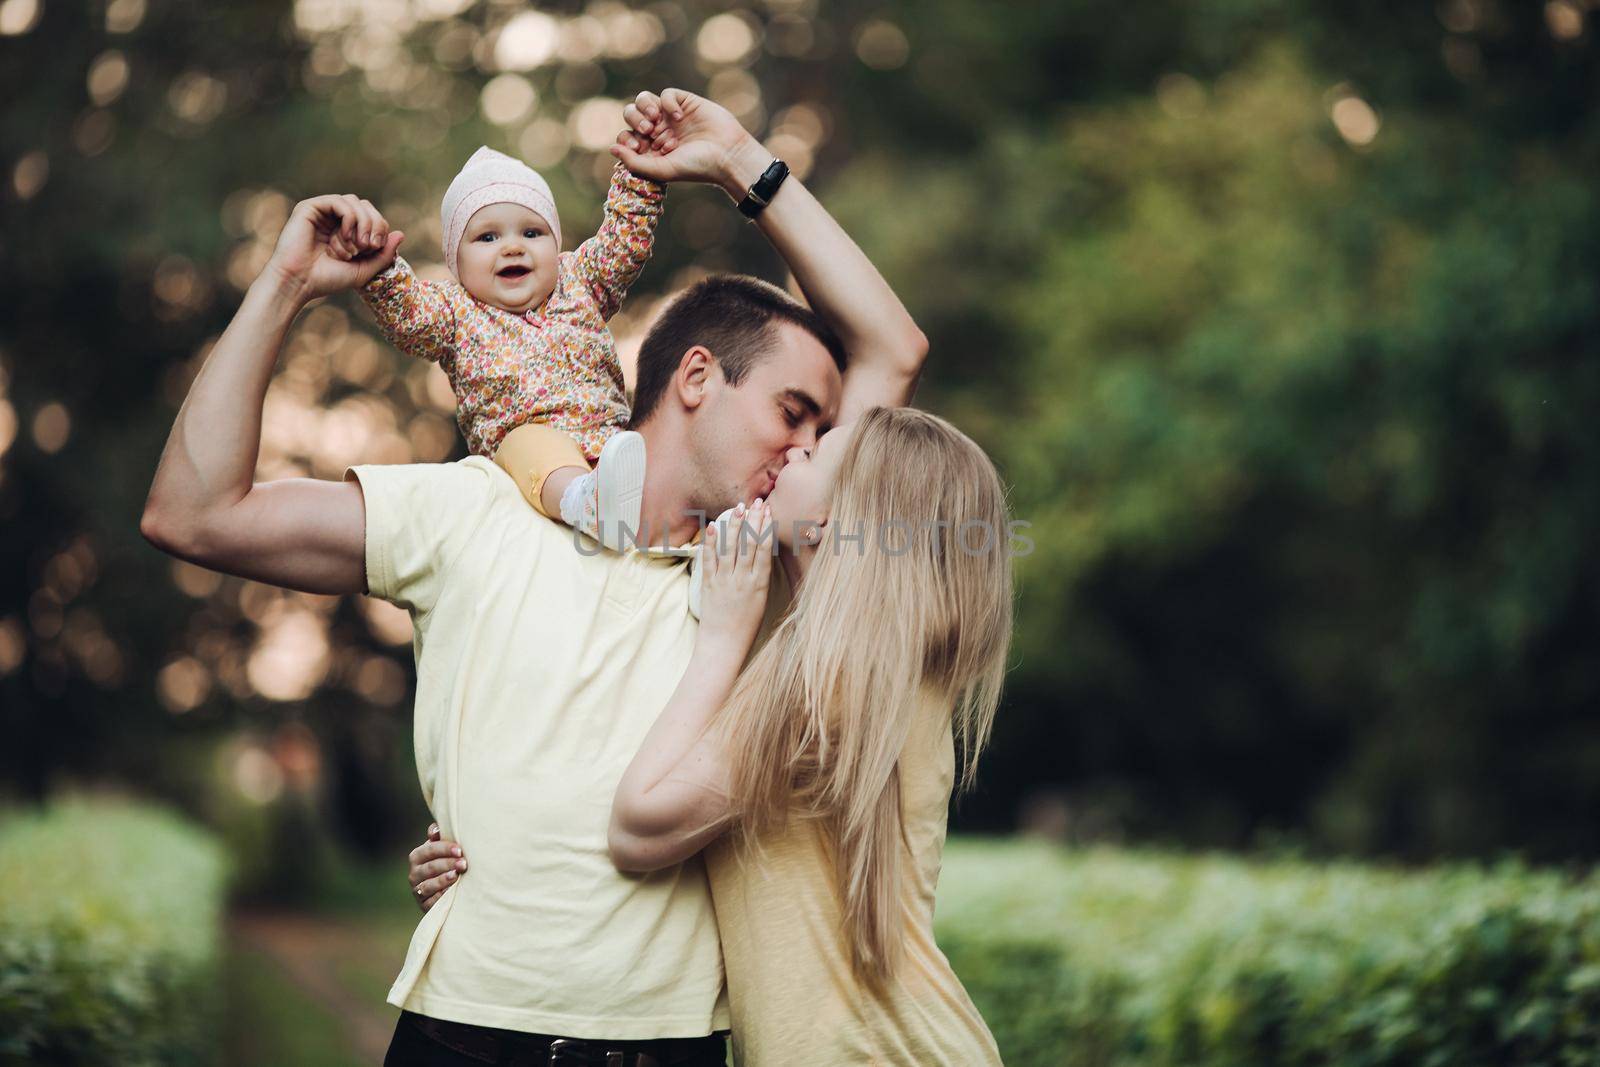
(673,798)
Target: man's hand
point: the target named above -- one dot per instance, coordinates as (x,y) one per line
(332,243)
(679,136)
(435,866)
(682,137)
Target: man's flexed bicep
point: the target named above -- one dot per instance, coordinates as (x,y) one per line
(204,503)
(390,530)
(298,533)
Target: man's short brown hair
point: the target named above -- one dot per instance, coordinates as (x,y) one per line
(730,315)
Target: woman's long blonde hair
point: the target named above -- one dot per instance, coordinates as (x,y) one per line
(914,615)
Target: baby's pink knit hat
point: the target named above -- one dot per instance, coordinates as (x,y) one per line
(492,177)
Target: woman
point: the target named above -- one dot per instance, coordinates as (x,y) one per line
(817,779)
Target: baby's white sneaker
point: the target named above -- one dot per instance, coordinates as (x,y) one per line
(605,502)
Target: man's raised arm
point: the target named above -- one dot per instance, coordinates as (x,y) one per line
(204,505)
(696,139)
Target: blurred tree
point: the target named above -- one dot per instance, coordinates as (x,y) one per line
(1276,314)
(1294,388)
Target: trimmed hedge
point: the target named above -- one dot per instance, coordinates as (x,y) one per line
(1077,958)
(1109,958)
(109,935)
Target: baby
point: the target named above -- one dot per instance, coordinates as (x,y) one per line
(522,334)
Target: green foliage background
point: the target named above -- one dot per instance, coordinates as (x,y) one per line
(1301,422)
(1100,957)
(1108,957)
(108,943)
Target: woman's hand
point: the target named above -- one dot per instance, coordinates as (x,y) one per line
(737,568)
(435,866)
(679,136)
(332,243)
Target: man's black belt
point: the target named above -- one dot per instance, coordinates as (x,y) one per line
(513,1048)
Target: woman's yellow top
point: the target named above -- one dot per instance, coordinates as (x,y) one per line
(793,997)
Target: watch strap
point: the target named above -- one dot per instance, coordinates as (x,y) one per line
(766,187)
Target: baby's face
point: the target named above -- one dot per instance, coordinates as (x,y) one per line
(507,257)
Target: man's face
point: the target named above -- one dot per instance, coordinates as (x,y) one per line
(743,433)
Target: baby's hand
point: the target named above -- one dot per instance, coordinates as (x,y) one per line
(678,136)
(652,119)
(360,239)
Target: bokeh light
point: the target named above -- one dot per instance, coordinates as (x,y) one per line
(13,644)
(18,17)
(388,623)
(1565,19)
(124,16)
(30,174)
(8,426)
(728,38)
(1228,332)
(108,77)
(52,427)
(882,45)
(196,582)
(183,684)
(544,142)
(257,775)
(527,41)
(93,132)
(380,680)
(197,97)
(1355,120)
(291,653)
(507,99)
(594,123)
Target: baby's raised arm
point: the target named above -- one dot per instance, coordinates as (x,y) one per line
(611,260)
(417,317)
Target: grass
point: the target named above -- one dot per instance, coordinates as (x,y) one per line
(1093,957)
(270,1022)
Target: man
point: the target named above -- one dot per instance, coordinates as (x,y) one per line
(540,668)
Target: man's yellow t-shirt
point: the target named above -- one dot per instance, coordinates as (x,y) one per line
(540,669)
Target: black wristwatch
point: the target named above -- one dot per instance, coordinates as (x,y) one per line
(766,187)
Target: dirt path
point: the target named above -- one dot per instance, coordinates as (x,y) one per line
(310,949)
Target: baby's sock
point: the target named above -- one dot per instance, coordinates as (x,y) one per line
(604,503)
(579,505)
